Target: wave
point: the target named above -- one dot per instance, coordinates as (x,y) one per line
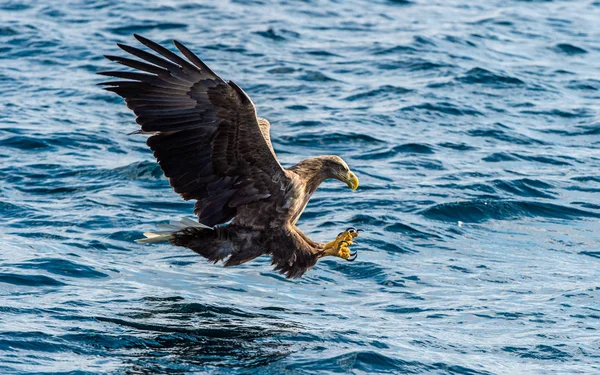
(62,267)
(442,108)
(509,156)
(371,362)
(408,148)
(485,77)
(478,211)
(143,28)
(569,49)
(278,34)
(526,187)
(28,280)
(382,91)
(503,133)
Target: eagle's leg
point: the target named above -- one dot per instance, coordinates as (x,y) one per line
(340,246)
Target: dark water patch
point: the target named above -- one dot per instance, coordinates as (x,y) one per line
(28,280)
(364,219)
(541,352)
(526,188)
(209,311)
(282,70)
(25,143)
(458,40)
(314,76)
(8,31)
(396,50)
(321,53)
(423,41)
(417,164)
(476,187)
(330,138)
(441,108)
(62,267)
(586,178)
(504,156)
(376,362)
(62,190)
(128,236)
(493,21)
(572,114)
(367,270)
(546,159)
(226,47)
(593,254)
(144,28)
(168,349)
(32,341)
(376,244)
(138,170)
(382,91)
(485,77)
(15,6)
(415,64)
(504,135)
(278,35)
(459,269)
(457,146)
(364,361)
(584,84)
(408,148)
(583,130)
(307,124)
(164,299)
(409,230)
(569,49)
(377,154)
(591,206)
(499,157)
(297,107)
(10,210)
(479,211)
(406,310)
(209,331)
(393,283)
(593,129)
(415,148)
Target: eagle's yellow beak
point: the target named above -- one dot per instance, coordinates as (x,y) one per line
(351,180)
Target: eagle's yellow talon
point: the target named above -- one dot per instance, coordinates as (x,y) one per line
(339,247)
(344,252)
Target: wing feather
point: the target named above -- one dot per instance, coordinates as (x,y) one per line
(206,136)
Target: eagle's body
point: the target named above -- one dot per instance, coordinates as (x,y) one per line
(213,148)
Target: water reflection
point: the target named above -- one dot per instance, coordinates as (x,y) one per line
(171,335)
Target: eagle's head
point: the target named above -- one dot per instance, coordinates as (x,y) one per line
(334,167)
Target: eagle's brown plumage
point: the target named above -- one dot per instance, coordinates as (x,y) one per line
(214,149)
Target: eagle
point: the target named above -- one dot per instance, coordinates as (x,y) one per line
(214,149)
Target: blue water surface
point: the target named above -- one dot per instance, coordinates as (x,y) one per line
(474,128)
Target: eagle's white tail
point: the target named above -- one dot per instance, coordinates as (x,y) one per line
(164,232)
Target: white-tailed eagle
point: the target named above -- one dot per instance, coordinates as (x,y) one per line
(214,149)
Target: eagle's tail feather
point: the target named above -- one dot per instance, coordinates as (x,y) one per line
(152,237)
(165,231)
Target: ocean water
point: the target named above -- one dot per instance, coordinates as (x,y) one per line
(473,126)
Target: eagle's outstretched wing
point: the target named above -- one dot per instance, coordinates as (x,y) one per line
(206,136)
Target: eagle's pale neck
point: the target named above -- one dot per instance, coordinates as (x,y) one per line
(312,173)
